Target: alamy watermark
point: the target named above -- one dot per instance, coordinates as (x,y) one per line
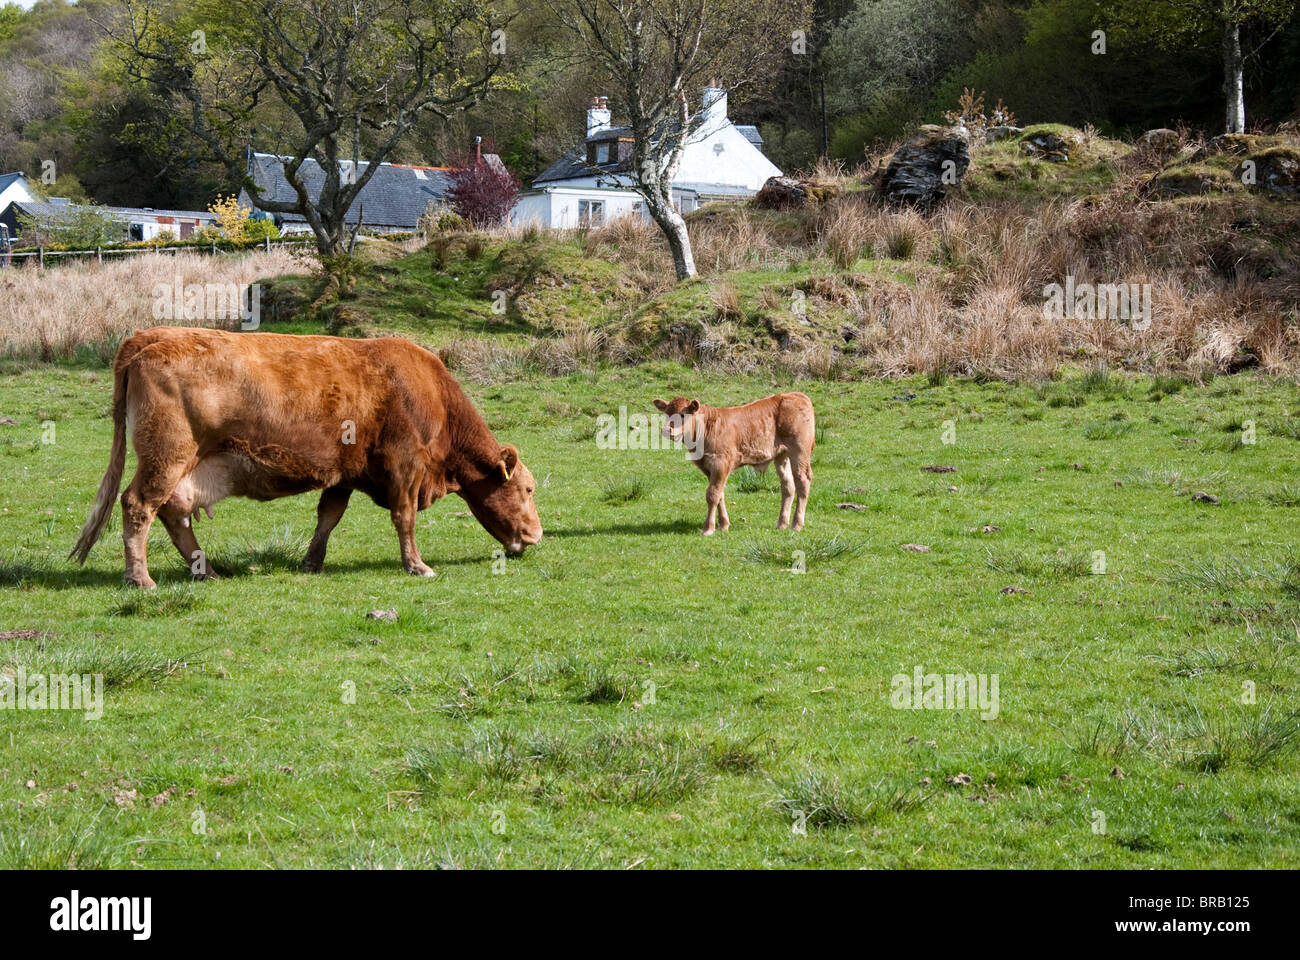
(654,431)
(1098,301)
(209,301)
(53,691)
(945,691)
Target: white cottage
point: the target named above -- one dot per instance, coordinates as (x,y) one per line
(592,185)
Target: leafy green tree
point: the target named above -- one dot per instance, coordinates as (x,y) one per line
(1192,22)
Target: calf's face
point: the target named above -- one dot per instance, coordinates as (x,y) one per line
(679,423)
(503,503)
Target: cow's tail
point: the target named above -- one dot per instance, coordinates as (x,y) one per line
(93,528)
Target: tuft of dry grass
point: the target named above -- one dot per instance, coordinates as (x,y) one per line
(56,312)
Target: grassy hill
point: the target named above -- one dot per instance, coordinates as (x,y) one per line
(847,288)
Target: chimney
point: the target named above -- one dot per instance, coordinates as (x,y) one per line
(597,115)
(478,150)
(714,106)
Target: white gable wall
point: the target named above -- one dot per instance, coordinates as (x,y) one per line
(14,193)
(726,158)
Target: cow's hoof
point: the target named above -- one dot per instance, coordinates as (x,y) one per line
(797,527)
(145,584)
(782,524)
(421,571)
(312,566)
(706,533)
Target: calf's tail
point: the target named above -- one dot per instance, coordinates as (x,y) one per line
(93,528)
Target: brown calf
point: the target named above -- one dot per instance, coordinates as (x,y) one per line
(778,429)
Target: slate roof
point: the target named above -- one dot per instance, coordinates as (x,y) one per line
(44,211)
(8,178)
(572,164)
(395,196)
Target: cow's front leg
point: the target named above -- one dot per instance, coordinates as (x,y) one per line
(333,501)
(403,514)
(724,521)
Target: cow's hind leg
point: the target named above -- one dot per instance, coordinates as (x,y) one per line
(802,484)
(149,489)
(175,516)
(786,475)
(329,511)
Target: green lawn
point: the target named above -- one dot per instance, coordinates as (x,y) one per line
(630,693)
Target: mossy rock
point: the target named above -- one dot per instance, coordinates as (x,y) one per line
(346,321)
(1191,180)
(1052,142)
(1277,171)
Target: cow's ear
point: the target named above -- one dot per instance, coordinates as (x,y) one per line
(692,406)
(660,404)
(509,460)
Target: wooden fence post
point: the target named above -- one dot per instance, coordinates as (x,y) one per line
(99,254)
(41,253)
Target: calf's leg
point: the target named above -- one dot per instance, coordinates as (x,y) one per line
(786,475)
(713,496)
(802,484)
(329,511)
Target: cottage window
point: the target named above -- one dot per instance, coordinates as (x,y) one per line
(602,153)
(591,213)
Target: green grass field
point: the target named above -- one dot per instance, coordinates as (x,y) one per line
(632,694)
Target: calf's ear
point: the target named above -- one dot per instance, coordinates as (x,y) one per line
(509,460)
(692,406)
(660,404)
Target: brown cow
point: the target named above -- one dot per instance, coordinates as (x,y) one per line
(780,429)
(214,414)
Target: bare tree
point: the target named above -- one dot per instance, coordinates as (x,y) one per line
(658,55)
(340,80)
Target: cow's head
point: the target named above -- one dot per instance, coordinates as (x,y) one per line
(502,500)
(681,425)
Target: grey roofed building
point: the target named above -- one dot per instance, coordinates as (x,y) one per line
(9,179)
(138,223)
(392,201)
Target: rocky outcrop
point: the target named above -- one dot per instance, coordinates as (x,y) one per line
(994,134)
(1236,144)
(781,193)
(922,170)
(1161,142)
(1277,171)
(1051,144)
